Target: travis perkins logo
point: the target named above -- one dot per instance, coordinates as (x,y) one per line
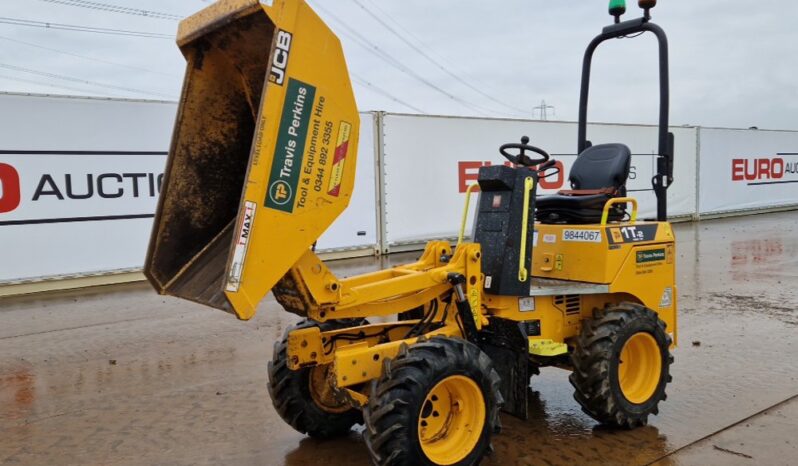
(82,186)
(290,147)
(760,171)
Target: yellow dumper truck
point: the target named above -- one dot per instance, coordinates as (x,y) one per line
(262,162)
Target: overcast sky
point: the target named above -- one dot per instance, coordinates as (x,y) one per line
(733,62)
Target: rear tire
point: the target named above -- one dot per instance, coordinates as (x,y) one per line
(621,365)
(437,403)
(296,398)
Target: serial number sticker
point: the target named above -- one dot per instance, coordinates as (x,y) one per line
(582,236)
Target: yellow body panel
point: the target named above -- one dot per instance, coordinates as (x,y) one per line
(649,275)
(304,191)
(263,154)
(643,272)
(636,262)
(587,253)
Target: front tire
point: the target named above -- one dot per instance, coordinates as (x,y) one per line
(437,403)
(303,398)
(621,365)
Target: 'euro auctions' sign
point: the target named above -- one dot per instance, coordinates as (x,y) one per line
(9,188)
(766,170)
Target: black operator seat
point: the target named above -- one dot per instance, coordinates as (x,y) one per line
(599,174)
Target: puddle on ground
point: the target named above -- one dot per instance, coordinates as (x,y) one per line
(121,376)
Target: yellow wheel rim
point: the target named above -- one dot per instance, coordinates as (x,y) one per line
(451,420)
(639,368)
(322,392)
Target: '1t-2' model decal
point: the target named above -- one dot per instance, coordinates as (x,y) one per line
(631,234)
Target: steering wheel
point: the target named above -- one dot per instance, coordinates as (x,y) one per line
(521,158)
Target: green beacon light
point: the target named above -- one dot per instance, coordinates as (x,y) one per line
(617,8)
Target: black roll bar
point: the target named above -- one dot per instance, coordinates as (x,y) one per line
(664,177)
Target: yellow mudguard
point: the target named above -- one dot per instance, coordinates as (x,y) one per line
(263,154)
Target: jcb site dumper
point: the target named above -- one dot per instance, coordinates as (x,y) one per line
(262,161)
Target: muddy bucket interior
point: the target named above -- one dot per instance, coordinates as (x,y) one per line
(227,48)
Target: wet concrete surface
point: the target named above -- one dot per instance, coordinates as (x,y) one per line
(772,430)
(119,375)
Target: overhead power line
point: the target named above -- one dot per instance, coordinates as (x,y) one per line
(82,81)
(116,9)
(385,93)
(71,27)
(432,60)
(42,83)
(382,55)
(71,54)
(439,57)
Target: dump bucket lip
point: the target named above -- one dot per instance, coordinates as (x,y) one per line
(214,17)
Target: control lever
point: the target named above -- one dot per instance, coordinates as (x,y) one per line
(545,166)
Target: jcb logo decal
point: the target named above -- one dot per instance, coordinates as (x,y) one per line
(282,50)
(10,194)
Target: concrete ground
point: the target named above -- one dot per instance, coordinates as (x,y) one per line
(121,376)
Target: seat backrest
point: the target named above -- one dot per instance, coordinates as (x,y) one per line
(602,166)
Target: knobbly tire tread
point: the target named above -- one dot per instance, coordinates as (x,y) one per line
(290,394)
(599,341)
(391,417)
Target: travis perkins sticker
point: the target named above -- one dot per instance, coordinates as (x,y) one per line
(290,146)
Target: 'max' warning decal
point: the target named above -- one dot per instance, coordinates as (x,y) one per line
(339,159)
(631,234)
(290,147)
(241,245)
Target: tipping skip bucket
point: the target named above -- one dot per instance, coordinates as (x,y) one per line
(263,153)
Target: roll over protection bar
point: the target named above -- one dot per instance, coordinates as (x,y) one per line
(664,176)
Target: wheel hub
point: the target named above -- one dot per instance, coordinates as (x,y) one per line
(639,368)
(322,392)
(451,420)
